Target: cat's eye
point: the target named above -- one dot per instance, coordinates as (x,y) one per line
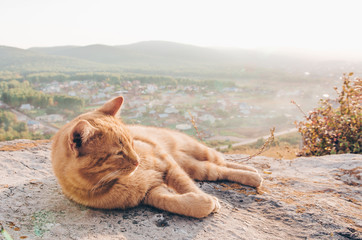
(120,153)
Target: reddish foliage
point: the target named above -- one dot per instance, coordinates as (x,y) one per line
(335,126)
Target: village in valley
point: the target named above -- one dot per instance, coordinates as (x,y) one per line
(222,113)
(212,95)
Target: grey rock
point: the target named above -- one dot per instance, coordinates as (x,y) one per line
(305,198)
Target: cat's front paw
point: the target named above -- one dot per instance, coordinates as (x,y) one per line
(204,205)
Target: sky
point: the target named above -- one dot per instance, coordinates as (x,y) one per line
(317,25)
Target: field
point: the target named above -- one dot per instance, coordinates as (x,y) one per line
(283,147)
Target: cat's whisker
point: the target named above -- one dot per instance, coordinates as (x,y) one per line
(133,171)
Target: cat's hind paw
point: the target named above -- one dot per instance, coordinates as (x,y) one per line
(257,181)
(217,205)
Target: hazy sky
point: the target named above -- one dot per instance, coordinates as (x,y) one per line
(312,24)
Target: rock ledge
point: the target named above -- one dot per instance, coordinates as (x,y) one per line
(304,198)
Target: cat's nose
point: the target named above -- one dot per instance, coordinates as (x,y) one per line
(137,161)
(135,158)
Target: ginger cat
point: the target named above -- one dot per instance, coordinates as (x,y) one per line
(102,163)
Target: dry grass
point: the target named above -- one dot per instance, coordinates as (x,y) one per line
(20,146)
(284,151)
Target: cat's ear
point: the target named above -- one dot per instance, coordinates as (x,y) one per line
(80,134)
(112,107)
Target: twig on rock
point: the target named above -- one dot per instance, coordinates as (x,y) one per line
(267,143)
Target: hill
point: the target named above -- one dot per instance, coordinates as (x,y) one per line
(152,57)
(169,58)
(167,54)
(150,52)
(51,50)
(16,59)
(95,53)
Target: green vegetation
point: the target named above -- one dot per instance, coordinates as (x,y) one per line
(68,102)
(16,93)
(335,126)
(11,129)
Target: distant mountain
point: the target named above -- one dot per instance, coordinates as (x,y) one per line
(17,59)
(151,53)
(164,58)
(174,52)
(51,50)
(96,53)
(166,54)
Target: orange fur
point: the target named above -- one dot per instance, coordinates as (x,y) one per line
(103,163)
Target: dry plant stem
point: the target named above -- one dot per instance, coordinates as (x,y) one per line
(298,106)
(193,122)
(267,143)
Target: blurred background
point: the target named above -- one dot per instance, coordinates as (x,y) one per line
(227,70)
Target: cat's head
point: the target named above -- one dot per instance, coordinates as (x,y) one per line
(99,147)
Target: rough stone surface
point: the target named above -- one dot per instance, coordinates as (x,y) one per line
(304,198)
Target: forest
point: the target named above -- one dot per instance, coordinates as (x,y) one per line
(11,128)
(15,93)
